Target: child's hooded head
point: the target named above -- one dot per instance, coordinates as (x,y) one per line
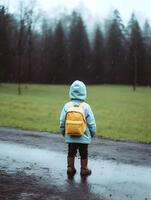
(78,91)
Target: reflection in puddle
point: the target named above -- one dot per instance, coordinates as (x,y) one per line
(109,180)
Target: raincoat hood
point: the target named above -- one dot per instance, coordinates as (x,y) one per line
(78,91)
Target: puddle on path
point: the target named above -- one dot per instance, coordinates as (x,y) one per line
(109,180)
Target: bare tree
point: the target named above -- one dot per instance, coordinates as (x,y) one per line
(21,41)
(4,44)
(31,20)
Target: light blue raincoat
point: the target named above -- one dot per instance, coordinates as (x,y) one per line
(77,95)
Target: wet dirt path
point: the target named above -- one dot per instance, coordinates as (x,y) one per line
(33,166)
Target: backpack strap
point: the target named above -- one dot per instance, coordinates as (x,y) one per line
(70,104)
(80,105)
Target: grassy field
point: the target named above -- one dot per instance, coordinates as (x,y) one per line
(120,113)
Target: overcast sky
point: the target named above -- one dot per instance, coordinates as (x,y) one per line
(96,8)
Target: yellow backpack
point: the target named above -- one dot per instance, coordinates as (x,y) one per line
(75,123)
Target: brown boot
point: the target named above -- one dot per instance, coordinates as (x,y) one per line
(70,168)
(84,170)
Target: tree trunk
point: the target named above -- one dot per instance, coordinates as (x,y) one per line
(135,72)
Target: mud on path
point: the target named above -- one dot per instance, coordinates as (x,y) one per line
(33,166)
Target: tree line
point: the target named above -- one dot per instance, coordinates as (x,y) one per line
(62,51)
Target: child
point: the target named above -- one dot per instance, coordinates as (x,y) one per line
(77,96)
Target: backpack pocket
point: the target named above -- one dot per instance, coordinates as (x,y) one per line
(75,128)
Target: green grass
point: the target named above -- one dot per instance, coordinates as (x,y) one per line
(120,112)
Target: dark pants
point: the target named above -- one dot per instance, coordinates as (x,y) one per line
(73,147)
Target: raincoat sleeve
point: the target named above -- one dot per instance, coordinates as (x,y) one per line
(90,119)
(62,121)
